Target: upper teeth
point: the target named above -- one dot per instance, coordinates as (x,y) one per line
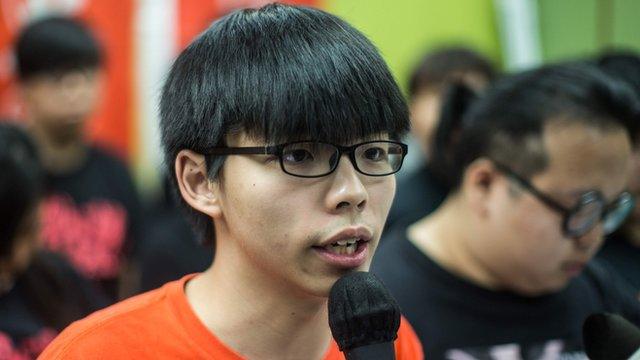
(346,242)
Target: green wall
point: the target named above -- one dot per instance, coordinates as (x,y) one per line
(404,29)
(575,28)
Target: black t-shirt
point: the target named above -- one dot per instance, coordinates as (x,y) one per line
(169,249)
(624,258)
(456,319)
(91,216)
(417,195)
(24,333)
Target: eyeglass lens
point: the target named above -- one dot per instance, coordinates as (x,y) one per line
(590,211)
(317,159)
(618,213)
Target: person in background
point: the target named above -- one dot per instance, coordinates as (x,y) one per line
(169,248)
(40,293)
(622,248)
(422,190)
(91,208)
(539,174)
(280,127)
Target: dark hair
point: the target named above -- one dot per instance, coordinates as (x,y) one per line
(439,67)
(277,73)
(624,65)
(506,123)
(55,45)
(20,182)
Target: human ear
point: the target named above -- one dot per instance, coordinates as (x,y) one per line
(195,186)
(478,185)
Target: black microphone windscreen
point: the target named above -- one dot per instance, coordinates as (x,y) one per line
(609,336)
(362,311)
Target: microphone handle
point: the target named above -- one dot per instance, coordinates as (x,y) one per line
(379,351)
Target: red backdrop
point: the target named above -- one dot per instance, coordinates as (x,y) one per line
(113,23)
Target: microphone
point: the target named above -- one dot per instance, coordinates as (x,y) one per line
(611,337)
(363,316)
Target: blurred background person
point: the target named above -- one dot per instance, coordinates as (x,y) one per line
(91,208)
(169,248)
(422,190)
(622,248)
(40,293)
(539,175)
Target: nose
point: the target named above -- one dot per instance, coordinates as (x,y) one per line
(590,240)
(347,192)
(75,85)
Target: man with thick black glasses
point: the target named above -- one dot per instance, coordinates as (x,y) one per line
(280,128)
(538,168)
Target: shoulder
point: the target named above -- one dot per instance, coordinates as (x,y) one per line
(617,295)
(117,327)
(421,185)
(598,273)
(114,170)
(104,157)
(393,253)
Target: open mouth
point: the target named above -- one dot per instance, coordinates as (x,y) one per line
(345,253)
(344,247)
(347,248)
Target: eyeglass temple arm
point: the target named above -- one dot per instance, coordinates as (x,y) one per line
(526,184)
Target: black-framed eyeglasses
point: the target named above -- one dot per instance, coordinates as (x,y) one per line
(590,209)
(311,159)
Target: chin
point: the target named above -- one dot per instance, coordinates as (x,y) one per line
(542,288)
(554,287)
(317,286)
(321,287)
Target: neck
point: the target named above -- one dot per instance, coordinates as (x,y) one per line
(445,237)
(256,315)
(57,156)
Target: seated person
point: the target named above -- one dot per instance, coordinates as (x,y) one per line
(90,212)
(40,293)
(622,248)
(279,127)
(421,191)
(539,174)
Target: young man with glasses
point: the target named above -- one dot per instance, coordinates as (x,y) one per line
(501,270)
(279,125)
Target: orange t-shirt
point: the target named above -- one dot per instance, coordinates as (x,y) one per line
(160,324)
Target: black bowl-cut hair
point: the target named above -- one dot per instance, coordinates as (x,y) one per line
(277,73)
(54,45)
